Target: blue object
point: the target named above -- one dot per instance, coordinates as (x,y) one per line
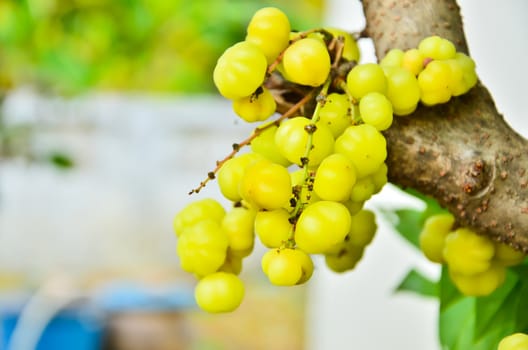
(125,296)
(76,328)
(81,326)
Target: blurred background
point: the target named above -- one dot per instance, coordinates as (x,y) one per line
(108,117)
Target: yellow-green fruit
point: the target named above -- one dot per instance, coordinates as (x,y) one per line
(365,146)
(230,174)
(365,78)
(362,228)
(335,178)
(306,264)
(322,225)
(379,177)
(516,341)
(287,267)
(199,210)
(363,189)
(219,292)
(264,145)
(403,91)
(344,260)
(393,58)
(202,248)
(292,138)
(232,263)
(307,62)
(437,48)
(273,227)
(479,284)
(456,77)
(269,29)
(240,70)
(282,267)
(468,253)
(507,256)
(335,113)
(354,207)
(469,76)
(413,61)
(266,185)
(255,108)
(434,83)
(238,226)
(376,110)
(433,235)
(240,253)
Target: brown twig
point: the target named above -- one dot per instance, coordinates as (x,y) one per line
(237,146)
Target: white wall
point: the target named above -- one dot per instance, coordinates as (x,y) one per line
(137,157)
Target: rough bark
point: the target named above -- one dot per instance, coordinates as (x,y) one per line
(462,153)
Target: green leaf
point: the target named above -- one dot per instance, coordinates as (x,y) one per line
(521,321)
(471,323)
(457,326)
(415,282)
(455,323)
(456,314)
(497,309)
(61,160)
(465,340)
(447,291)
(521,270)
(407,222)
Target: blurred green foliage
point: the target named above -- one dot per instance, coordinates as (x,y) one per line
(69,46)
(464,322)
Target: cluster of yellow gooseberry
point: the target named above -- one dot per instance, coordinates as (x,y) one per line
(476,264)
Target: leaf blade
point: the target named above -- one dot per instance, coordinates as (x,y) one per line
(407,222)
(416,282)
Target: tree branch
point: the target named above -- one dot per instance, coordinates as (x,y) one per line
(462,153)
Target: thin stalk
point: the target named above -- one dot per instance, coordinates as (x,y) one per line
(258,130)
(299,205)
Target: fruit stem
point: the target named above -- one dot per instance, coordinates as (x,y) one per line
(310,129)
(353,102)
(238,146)
(339,43)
